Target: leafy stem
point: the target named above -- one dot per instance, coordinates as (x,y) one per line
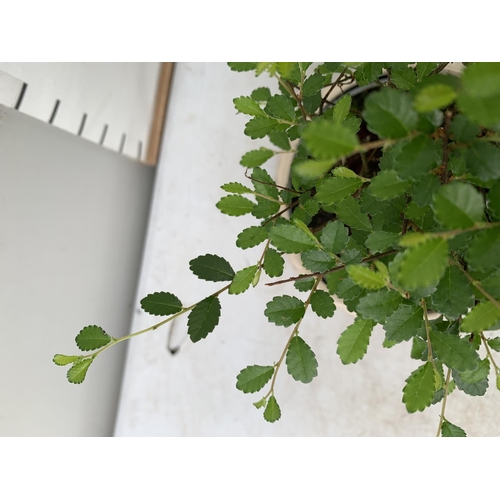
(443,406)
(427,331)
(488,353)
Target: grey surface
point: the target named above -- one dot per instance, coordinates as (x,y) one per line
(72,222)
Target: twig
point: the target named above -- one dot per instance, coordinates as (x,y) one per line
(446,385)
(324,100)
(446,128)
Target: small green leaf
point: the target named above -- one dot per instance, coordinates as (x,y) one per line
(334,237)
(92,337)
(322,304)
(481,317)
(290,239)
(264,183)
(379,305)
(450,430)
(272,413)
(436,95)
(349,212)
(280,107)
(242,66)
(494,343)
(284,310)
(387,185)
(256,158)
(235,205)
(76,374)
(273,263)
(413,239)
(406,322)
(417,158)
(311,169)
(341,109)
(458,205)
(301,361)
(235,187)
(477,387)
(261,403)
(493,199)
(242,280)
(365,277)
(279,138)
(462,129)
(317,261)
(423,265)
(248,106)
(259,127)
(329,141)
(419,389)
(344,172)
(484,251)
(62,359)
(304,285)
(482,160)
(424,69)
(404,78)
(261,94)
(251,237)
(378,241)
(254,378)
(203,318)
(353,341)
(335,189)
(207,267)
(313,84)
(453,351)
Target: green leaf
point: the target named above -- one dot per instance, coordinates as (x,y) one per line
(436,95)
(334,237)
(311,169)
(424,69)
(273,263)
(389,113)
(419,349)
(280,107)
(290,239)
(235,187)
(304,285)
(251,237)
(379,305)
(242,66)
(242,280)
(417,158)
(203,318)
(483,160)
(341,109)
(480,318)
(405,323)
(256,158)
(265,208)
(344,172)
(248,106)
(264,183)
(254,378)
(62,359)
(493,343)
(206,267)
(235,205)
(423,190)
(477,388)
(453,295)
(92,337)
(387,185)
(365,277)
(335,189)
(368,72)
(301,361)
(378,241)
(463,130)
(313,84)
(280,139)
(259,127)
(353,341)
(284,310)
(423,265)
(328,140)
(453,351)
(322,304)
(493,199)
(318,261)
(477,375)
(484,251)
(419,389)
(450,430)
(76,374)
(349,212)
(272,413)
(482,79)
(404,78)
(261,94)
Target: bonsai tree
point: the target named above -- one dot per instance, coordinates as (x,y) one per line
(393,205)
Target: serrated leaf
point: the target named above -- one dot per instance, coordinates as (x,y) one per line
(284,310)
(349,212)
(272,413)
(389,113)
(458,205)
(259,127)
(279,138)
(76,374)
(344,172)
(265,208)
(290,239)
(424,69)
(304,285)
(353,341)
(378,241)
(207,267)
(256,158)
(419,389)
(329,141)
(406,322)
(450,430)
(418,349)
(317,261)
(301,361)
(242,280)
(494,343)
(254,378)
(311,169)
(484,251)
(483,160)
(203,318)
(482,79)
(261,403)
(313,84)
(280,107)
(404,78)
(62,359)
(462,129)
(368,72)
(480,318)
(322,304)
(264,184)
(423,265)
(242,66)
(235,205)
(334,237)
(235,187)
(453,295)
(248,106)
(251,237)
(416,158)
(341,109)
(336,189)
(365,277)
(453,351)
(387,185)
(261,94)
(92,337)
(478,388)
(379,305)
(493,200)
(481,373)
(436,95)
(423,190)
(273,263)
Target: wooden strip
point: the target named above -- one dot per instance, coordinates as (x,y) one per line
(160,111)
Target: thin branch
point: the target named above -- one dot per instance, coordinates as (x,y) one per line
(324,100)
(488,352)
(446,385)
(439,68)
(281,212)
(271,183)
(444,174)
